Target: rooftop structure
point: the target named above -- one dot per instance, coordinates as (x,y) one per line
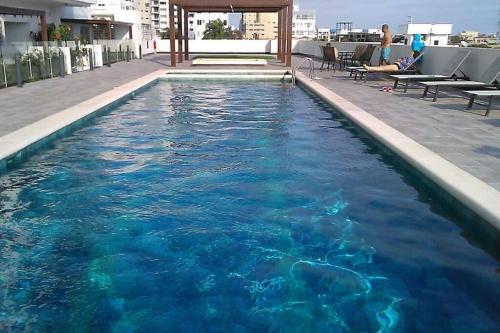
(433,34)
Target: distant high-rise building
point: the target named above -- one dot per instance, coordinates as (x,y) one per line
(197,22)
(145,9)
(304,23)
(265,25)
(260,25)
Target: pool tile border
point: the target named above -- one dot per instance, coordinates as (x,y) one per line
(475,194)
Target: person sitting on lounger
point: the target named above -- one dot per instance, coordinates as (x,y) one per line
(400,65)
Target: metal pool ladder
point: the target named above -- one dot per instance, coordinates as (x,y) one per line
(295,68)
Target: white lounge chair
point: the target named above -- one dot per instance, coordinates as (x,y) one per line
(488,79)
(489,94)
(447,73)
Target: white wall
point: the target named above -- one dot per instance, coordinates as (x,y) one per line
(434,60)
(220,46)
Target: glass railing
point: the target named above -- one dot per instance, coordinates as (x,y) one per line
(44,60)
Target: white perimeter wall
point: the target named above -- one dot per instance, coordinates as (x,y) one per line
(434,60)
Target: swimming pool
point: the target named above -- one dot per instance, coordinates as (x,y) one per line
(243,207)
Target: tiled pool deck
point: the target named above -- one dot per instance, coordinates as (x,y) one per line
(467,139)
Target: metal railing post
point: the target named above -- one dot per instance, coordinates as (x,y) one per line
(140,51)
(62,65)
(19,79)
(128,53)
(4,73)
(91,59)
(108,56)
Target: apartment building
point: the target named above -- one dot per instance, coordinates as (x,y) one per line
(304,23)
(265,25)
(433,34)
(324,34)
(145,10)
(25,20)
(159,11)
(259,25)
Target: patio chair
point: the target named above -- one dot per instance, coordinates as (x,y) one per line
(409,69)
(449,72)
(323,58)
(356,56)
(366,58)
(488,79)
(331,57)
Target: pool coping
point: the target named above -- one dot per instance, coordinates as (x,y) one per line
(478,196)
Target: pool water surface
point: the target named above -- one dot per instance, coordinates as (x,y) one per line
(233,207)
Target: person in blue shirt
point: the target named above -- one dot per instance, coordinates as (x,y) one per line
(417,45)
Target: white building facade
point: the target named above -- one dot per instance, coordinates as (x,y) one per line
(197,22)
(433,34)
(303,23)
(23,28)
(324,34)
(120,11)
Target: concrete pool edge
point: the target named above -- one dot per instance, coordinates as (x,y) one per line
(475,194)
(15,144)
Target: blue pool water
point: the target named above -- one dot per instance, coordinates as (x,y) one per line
(234,207)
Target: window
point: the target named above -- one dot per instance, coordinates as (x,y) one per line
(436,42)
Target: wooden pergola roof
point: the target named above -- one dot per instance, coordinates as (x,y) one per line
(284,8)
(239,6)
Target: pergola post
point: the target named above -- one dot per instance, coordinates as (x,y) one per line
(172,34)
(280,33)
(283,33)
(289,36)
(110,33)
(43,28)
(180,57)
(186,34)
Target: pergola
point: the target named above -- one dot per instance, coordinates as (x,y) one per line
(284,8)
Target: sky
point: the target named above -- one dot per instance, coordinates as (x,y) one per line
(477,15)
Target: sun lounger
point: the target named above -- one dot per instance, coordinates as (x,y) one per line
(364,59)
(450,72)
(406,70)
(489,78)
(489,94)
